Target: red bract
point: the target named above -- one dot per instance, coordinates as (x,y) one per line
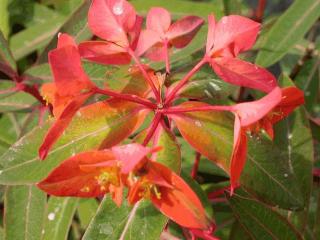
(92,174)
(259,114)
(89,174)
(161,34)
(116,22)
(71,88)
(226,39)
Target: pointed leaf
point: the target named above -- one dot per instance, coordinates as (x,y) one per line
(7,62)
(102,124)
(24,214)
(140,221)
(76,25)
(260,220)
(287,31)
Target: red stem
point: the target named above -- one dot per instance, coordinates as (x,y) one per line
(176,110)
(174,91)
(152,128)
(195,168)
(145,74)
(33,90)
(166,46)
(8,71)
(127,97)
(260,10)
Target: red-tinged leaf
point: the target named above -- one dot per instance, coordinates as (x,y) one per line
(111,20)
(61,124)
(69,76)
(251,112)
(156,52)
(104,53)
(239,154)
(179,202)
(211,32)
(235,33)
(210,133)
(244,74)
(72,178)
(183,31)
(158,20)
(148,38)
(130,155)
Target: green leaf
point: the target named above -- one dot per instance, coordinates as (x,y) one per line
(4,18)
(101,124)
(59,217)
(208,88)
(181,8)
(141,221)
(238,232)
(288,30)
(76,25)
(7,62)
(16,101)
(308,81)
(86,211)
(24,214)
(259,220)
(34,37)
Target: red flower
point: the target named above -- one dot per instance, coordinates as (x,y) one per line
(161,34)
(88,174)
(117,23)
(256,115)
(71,88)
(92,174)
(226,39)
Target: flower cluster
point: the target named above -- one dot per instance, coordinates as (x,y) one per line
(121,42)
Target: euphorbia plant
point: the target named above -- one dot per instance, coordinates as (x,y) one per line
(113,166)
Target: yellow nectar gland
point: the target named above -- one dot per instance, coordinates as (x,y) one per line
(148,189)
(107,178)
(85,189)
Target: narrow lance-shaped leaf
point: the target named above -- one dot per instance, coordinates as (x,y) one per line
(7,62)
(60,212)
(287,31)
(101,124)
(24,212)
(76,26)
(87,208)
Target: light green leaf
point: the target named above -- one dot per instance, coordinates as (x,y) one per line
(59,216)
(76,25)
(4,18)
(86,211)
(259,220)
(7,62)
(24,214)
(140,221)
(288,30)
(182,8)
(99,124)
(34,37)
